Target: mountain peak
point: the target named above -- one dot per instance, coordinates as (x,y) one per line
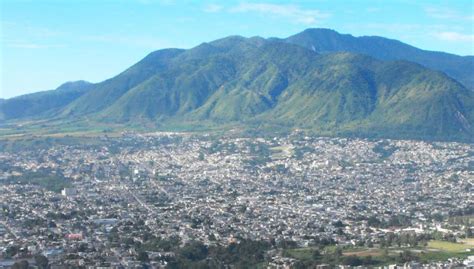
(71,85)
(327,40)
(277,82)
(320,30)
(235,40)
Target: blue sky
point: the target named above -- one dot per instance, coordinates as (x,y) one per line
(47,42)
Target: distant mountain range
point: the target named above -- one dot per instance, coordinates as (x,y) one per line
(317,80)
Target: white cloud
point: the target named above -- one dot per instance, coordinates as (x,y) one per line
(212,8)
(29,45)
(454,37)
(448,14)
(26,46)
(148,42)
(292,12)
(27,29)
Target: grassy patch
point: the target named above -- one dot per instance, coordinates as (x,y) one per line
(431,256)
(448,246)
(281,152)
(374,252)
(300,253)
(434,251)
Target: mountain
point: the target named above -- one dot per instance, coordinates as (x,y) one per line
(271,83)
(107,92)
(460,68)
(44,103)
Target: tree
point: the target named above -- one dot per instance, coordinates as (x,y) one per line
(374,222)
(143,256)
(12,251)
(370,244)
(406,256)
(468,232)
(212,237)
(413,241)
(41,261)
(286,244)
(194,251)
(21,265)
(352,260)
(367,260)
(316,254)
(201,156)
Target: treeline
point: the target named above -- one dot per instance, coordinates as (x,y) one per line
(405,239)
(46,178)
(194,254)
(333,257)
(393,221)
(242,253)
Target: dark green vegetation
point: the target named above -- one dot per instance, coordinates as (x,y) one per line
(256,83)
(47,179)
(194,254)
(420,250)
(255,254)
(244,253)
(460,68)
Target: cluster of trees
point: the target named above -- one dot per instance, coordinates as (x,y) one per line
(334,257)
(384,149)
(404,239)
(194,254)
(394,221)
(248,253)
(218,146)
(41,262)
(50,180)
(161,244)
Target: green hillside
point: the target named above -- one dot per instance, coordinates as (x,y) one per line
(108,91)
(460,68)
(249,82)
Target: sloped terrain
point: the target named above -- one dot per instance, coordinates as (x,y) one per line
(256,81)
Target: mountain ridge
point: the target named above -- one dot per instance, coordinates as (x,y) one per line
(258,82)
(458,67)
(42,103)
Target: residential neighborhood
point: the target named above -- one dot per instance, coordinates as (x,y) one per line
(129,200)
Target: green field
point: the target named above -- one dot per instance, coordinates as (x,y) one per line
(434,251)
(301,253)
(450,247)
(374,252)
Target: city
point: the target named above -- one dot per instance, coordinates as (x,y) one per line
(135,198)
(241,134)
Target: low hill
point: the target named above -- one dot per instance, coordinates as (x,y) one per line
(42,104)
